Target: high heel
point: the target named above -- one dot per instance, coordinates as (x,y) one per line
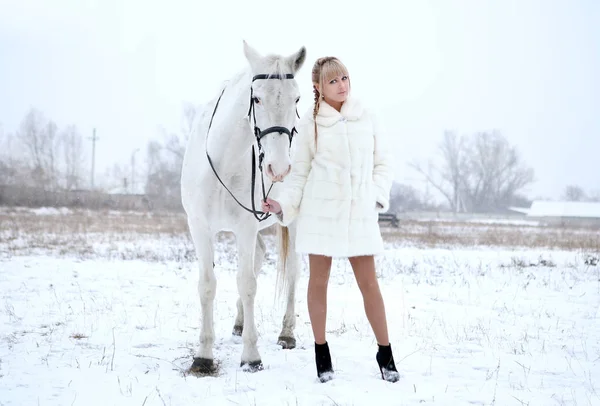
(387,366)
(323,362)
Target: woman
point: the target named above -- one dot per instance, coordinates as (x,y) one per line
(340,180)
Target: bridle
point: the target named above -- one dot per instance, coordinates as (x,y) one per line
(258,135)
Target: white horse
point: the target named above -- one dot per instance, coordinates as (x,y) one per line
(244,132)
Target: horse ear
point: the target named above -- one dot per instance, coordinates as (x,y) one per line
(251,55)
(297,60)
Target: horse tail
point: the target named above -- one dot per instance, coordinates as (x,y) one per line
(283,246)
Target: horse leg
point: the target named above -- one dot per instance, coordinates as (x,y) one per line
(207,286)
(259,255)
(238,325)
(246,282)
(286,337)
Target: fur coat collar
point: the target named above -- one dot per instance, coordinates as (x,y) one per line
(327,116)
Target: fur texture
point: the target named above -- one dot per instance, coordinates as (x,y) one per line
(333,189)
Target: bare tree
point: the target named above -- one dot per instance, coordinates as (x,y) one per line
(479,173)
(117,177)
(9,160)
(73,158)
(52,145)
(164,161)
(153,157)
(495,173)
(447,178)
(163,177)
(574,193)
(30,135)
(41,141)
(594,196)
(405,198)
(176,143)
(5,168)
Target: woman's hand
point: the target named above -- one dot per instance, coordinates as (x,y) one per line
(271,205)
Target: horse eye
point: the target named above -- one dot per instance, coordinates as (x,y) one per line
(297,100)
(256,100)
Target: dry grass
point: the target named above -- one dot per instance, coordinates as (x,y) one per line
(86,233)
(164,235)
(89,221)
(443,234)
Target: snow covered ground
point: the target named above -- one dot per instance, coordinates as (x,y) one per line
(95,324)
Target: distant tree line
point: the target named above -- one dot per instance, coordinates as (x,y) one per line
(44,160)
(164,160)
(476,173)
(575,193)
(41,155)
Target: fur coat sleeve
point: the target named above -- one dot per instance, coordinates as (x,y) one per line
(303,154)
(382,170)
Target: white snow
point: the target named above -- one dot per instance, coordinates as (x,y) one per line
(468,326)
(51,211)
(38,211)
(506,222)
(565,209)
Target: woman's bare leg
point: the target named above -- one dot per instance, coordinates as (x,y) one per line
(320,267)
(366,278)
(364,272)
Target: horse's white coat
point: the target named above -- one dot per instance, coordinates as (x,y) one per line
(210,208)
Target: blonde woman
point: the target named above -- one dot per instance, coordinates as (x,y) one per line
(340,180)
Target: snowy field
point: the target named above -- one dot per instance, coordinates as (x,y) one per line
(100,308)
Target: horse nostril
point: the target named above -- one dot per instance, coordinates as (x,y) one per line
(270,170)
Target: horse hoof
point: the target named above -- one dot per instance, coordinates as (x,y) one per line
(203,366)
(287,343)
(237,330)
(253,366)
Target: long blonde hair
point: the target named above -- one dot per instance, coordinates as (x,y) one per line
(325,69)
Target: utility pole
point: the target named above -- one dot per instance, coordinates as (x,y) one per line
(94,139)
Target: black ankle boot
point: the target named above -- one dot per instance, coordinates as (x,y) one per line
(385,359)
(323,361)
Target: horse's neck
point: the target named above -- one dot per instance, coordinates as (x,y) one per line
(230,144)
(230,134)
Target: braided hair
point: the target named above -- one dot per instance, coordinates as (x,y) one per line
(324,69)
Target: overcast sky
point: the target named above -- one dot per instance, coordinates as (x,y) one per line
(528,68)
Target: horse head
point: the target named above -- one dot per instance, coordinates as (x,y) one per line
(273,107)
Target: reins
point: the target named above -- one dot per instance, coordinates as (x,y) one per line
(258,135)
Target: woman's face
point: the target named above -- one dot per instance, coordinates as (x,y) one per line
(336,89)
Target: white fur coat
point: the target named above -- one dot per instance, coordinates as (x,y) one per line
(332,191)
